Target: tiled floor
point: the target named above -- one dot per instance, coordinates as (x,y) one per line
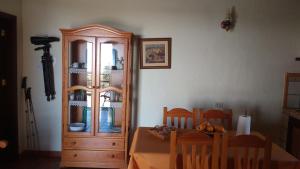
(33,163)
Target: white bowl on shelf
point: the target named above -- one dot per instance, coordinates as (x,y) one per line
(77,127)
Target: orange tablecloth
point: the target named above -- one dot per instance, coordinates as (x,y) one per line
(149,152)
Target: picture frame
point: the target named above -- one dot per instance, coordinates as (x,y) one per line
(155,53)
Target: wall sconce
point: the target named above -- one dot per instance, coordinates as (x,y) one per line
(229,22)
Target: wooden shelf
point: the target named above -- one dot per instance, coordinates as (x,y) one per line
(77,103)
(77,70)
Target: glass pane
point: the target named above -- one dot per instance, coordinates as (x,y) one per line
(293,95)
(80,107)
(80,63)
(112,63)
(110,112)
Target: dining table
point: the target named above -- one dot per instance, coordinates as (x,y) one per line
(149,152)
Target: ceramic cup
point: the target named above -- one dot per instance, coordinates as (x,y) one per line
(71,96)
(75,65)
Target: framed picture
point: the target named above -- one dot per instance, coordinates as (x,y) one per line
(155,53)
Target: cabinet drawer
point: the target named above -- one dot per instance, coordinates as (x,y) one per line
(93,143)
(92,156)
(107,156)
(79,156)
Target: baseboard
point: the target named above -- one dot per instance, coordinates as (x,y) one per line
(48,154)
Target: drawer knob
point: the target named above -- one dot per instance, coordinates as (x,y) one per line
(75,155)
(113,143)
(113,156)
(74,142)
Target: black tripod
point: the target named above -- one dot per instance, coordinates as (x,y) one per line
(48,72)
(47,62)
(31,126)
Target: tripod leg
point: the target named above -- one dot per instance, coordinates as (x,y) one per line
(46,76)
(51,77)
(35,130)
(28,126)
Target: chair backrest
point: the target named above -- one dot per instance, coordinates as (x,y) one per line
(194,151)
(180,113)
(247,152)
(216,114)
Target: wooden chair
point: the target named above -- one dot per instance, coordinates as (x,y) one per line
(180,113)
(3,144)
(241,147)
(216,114)
(198,150)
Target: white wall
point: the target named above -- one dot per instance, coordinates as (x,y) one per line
(242,69)
(13,7)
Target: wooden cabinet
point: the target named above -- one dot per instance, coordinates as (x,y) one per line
(96,97)
(291,99)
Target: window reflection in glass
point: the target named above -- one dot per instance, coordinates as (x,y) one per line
(112,63)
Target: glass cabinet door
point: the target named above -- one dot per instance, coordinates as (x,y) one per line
(110,106)
(80,111)
(81,63)
(80,92)
(110,112)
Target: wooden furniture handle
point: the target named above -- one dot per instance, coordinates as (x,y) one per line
(3,144)
(73,142)
(113,143)
(75,155)
(113,156)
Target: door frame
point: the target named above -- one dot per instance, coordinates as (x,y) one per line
(13,62)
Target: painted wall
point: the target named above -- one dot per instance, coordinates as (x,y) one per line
(13,7)
(242,69)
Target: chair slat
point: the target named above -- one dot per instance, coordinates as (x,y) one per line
(180,113)
(246,158)
(237,162)
(189,162)
(224,151)
(173,145)
(172,121)
(186,121)
(198,162)
(184,154)
(255,159)
(215,151)
(194,156)
(179,122)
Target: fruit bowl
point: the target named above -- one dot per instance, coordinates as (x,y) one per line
(76,127)
(209,128)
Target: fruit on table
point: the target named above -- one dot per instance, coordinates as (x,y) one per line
(219,128)
(210,128)
(202,126)
(206,126)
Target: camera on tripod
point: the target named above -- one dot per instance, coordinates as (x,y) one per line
(47,62)
(43,40)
